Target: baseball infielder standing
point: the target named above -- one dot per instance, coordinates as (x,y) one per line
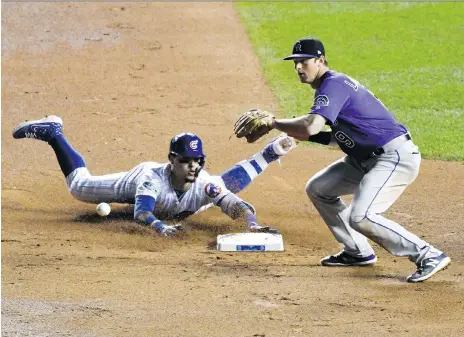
(381,161)
(169,191)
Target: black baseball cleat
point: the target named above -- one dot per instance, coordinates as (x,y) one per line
(342,259)
(429,267)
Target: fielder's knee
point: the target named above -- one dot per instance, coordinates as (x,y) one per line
(316,189)
(358,219)
(311,187)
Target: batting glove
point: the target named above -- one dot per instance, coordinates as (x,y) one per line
(254,227)
(165,230)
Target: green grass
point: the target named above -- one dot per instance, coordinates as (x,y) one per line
(411,55)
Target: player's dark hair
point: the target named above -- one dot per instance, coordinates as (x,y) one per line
(326,63)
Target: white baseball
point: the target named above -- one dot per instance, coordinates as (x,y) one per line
(103,209)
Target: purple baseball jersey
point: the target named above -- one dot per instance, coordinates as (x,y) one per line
(359,121)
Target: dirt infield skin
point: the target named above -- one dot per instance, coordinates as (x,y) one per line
(125,78)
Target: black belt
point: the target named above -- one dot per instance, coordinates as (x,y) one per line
(381,151)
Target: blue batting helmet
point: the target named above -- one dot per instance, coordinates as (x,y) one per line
(186,145)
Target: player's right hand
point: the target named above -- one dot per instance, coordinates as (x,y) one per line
(165,230)
(169,230)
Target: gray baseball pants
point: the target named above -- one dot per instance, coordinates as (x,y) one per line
(376,184)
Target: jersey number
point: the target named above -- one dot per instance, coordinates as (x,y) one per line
(344,139)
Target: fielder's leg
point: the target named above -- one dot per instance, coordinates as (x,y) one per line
(244,172)
(378,190)
(324,190)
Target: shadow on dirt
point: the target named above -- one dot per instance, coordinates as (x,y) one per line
(122,221)
(116,221)
(92,217)
(212,245)
(373,275)
(212,228)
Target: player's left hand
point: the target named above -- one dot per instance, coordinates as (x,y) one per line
(253,124)
(256,228)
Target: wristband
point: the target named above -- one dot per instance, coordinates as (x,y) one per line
(157,225)
(150,219)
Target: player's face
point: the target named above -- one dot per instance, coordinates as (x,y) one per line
(306,69)
(184,168)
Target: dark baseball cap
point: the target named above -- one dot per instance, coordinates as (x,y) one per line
(307,48)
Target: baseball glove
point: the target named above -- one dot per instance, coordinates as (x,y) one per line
(253,124)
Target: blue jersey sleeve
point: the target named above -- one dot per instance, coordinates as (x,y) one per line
(144,204)
(329,100)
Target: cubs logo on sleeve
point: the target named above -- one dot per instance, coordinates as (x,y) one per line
(212,190)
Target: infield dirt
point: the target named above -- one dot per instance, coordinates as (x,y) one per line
(125,78)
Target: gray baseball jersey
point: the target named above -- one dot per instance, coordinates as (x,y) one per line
(150,179)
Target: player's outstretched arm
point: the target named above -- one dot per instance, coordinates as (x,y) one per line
(143,211)
(236,208)
(244,172)
(302,127)
(255,123)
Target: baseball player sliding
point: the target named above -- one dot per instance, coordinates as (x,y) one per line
(381,161)
(160,192)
